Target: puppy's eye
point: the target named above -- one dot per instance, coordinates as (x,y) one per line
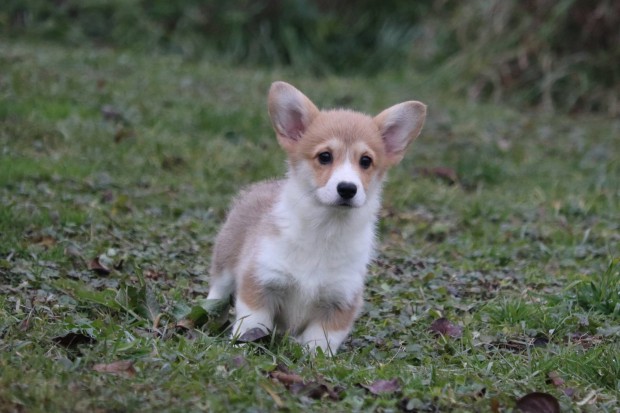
(325,158)
(365,162)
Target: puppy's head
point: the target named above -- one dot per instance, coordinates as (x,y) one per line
(341,156)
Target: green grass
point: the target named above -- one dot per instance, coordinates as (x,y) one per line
(522,252)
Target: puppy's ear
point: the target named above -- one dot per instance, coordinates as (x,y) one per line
(291,112)
(399,126)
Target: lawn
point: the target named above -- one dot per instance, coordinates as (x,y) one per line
(116,170)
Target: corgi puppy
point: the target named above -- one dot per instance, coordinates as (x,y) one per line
(294,251)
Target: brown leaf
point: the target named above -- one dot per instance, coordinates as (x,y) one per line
(477,395)
(585,340)
(119,368)
(184,324)
(123,133)
(253,335)
(172,162)
(538,402)
(153,274)
(446,174)
(111,113)
(46,241)
(183,327)
(25,324)
(442,326)
(315,390)
(569,391)
(97,266)
(108,196)
(520,344)
(555,379)
(540,341)
(383,386)
(283,375)
(73,339)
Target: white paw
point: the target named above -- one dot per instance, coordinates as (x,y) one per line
(250,320)
(315,337)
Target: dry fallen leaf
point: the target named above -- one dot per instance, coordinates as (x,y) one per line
(253,335)
(154,274)
(585,340)
(121,368)
(123,133)
(495,405)
(315,389)
(383,386)
(555,379)
(46,241)
(446,174)
(109,112)
(25,324)
(479,394)
(172,162)
(184,324)
(285,377)
(538,402)
(72,339)
(442,326)
(97,266)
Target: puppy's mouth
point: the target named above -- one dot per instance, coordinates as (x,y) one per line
(344,203)
(340,205)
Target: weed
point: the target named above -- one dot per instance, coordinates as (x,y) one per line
(601,291)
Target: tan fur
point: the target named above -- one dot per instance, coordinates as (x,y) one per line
(351,128)
(343,318)
(250,290)
(347,135)
(248,217)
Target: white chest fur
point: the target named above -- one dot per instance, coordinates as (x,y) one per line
(317,259)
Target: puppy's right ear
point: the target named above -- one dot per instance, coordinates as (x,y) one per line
(291,112)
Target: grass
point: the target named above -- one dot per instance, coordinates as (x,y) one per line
(134,158)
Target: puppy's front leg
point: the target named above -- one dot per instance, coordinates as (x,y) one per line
(251,309)
(330,331)
(248,318)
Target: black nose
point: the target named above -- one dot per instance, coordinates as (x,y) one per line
(346,190)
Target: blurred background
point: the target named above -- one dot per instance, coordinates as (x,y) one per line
(553,55)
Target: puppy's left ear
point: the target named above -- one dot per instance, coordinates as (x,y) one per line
(399,125)
(291,113)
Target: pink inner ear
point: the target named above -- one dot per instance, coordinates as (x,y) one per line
(390,137)
(295,128)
